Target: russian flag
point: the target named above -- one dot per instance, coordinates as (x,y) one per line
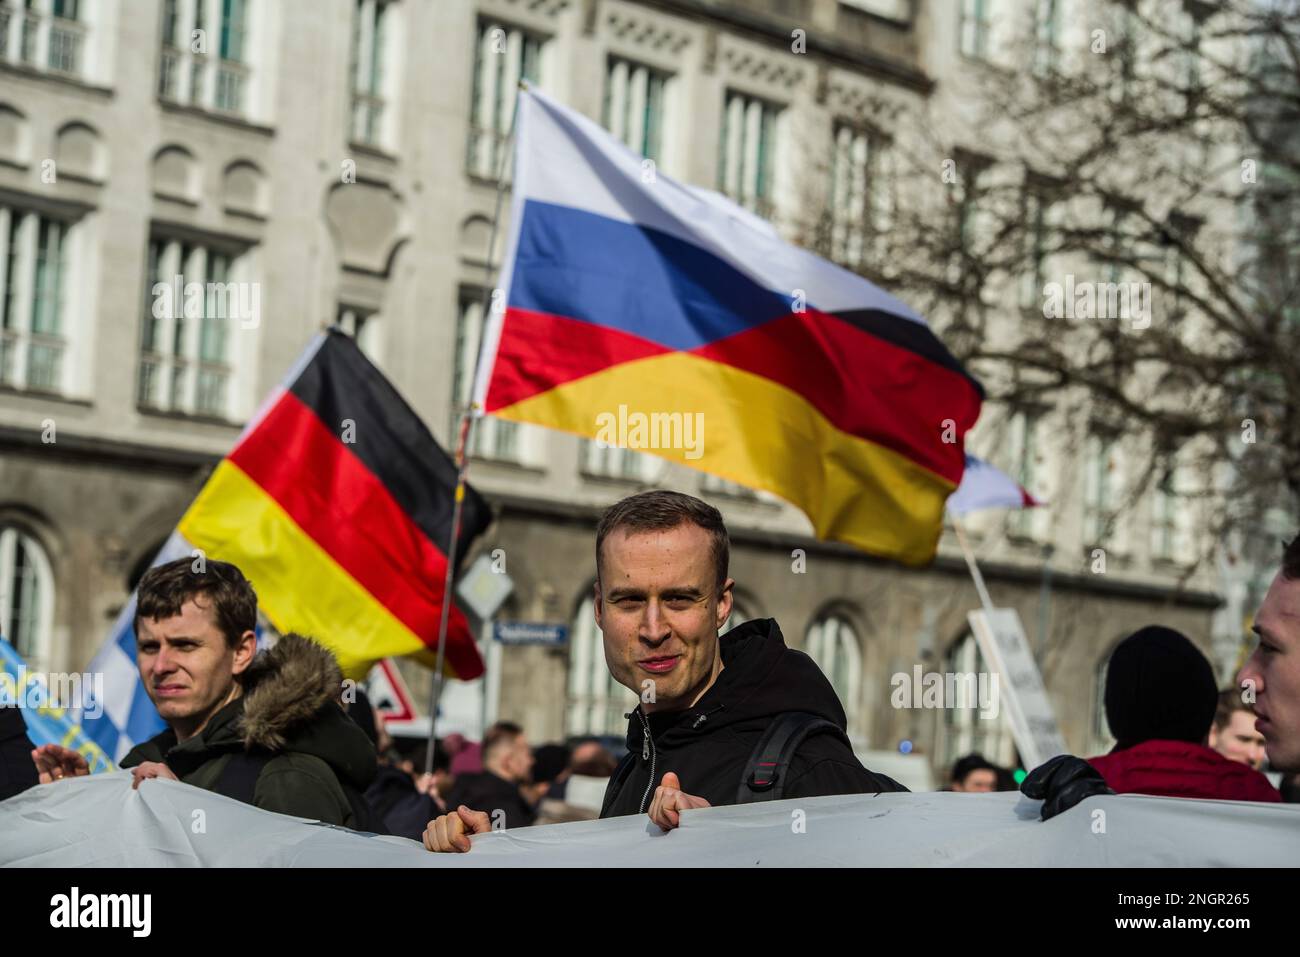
(983,486)
(627,293)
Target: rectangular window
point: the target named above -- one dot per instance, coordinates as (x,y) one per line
(503,55)
(493,438)
(853,191)
(369,46)
(634,106)
(47,36)
(1026,454)
(203,57)
(1100,490)
(1172,517)
(976,25)
(748,148)
(35,284)
(613,462)
(185,362)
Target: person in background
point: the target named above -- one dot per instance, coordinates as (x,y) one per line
(493,798)
(550,762)
(578,792)
(466,755)
(1160,702)
(1233,733)
(974,774)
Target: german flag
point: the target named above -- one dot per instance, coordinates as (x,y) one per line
(653,315)
(336,502)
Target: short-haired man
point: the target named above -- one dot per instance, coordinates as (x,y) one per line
(662,594)
(974,774)
(1233,733)
(266,729)
(1271,675)
(497,789)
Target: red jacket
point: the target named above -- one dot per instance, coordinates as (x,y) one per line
(1182,769)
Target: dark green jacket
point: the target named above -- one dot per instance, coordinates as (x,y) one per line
(289,708)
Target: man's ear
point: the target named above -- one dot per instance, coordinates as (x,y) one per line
(245,651)
(725,602)
(596,605)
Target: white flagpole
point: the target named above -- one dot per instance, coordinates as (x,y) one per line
(975,574)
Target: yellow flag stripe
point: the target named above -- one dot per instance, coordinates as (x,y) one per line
(762,435)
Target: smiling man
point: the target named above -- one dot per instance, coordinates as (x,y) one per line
(722,719)
(266,729)
(1272,671)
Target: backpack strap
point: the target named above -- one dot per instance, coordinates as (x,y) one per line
(238,778)
(617,780)
(767,773)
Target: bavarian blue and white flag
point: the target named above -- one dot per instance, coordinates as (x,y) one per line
(46,703)
(126,714)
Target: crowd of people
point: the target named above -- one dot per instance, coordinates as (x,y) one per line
(721,720)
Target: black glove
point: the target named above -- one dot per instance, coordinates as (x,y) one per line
(1063,782)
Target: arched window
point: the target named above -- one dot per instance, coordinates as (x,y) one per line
(833,644)
(965,729)
(597,702)
(26,595)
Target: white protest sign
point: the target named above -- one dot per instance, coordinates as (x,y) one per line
(1004,646)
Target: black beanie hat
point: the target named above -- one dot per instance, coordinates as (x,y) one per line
(1159,686)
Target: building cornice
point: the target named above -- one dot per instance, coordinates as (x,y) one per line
(89,448)
(827,47)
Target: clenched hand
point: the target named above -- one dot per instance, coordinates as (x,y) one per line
(448,833)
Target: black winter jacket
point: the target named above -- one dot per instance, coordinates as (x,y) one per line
(709,746)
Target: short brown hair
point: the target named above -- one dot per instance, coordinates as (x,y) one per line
(660,510)
(1229,703)
(1291,559)
(164,589)
(501,734)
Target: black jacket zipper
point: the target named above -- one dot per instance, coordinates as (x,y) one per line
(648,753)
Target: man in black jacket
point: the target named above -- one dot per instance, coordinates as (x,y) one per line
(661,596)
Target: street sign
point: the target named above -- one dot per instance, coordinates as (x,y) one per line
(1006,650)
(388,693)
(483,589)
(530,633)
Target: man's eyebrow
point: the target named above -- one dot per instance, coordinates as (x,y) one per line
(686,591)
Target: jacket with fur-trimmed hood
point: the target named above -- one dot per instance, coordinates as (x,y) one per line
(289,716)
